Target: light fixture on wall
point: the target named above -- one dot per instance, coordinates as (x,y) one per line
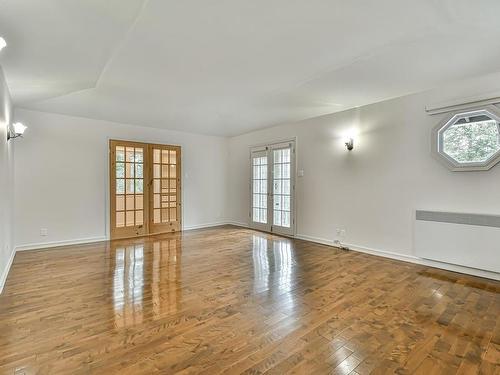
(349,143)
(17,130)
(3,43)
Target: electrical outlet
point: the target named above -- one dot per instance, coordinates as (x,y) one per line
(44,232)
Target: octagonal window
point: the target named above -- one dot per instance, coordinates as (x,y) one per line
(470,140)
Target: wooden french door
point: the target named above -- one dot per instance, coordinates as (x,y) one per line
(272,188)
(145,184)
(165,197)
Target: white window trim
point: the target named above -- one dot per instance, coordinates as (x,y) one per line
(449,162)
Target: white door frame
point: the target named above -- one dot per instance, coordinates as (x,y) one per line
(268,147)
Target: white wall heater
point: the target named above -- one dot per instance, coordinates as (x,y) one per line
(470,240)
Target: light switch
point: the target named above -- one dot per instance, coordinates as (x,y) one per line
(300,173)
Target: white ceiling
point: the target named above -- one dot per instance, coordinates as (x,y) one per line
(226,67)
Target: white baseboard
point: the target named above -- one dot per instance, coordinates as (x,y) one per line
(319,240)
(323,241)
(6,270)
(215,224)
(47,245)
(406,258)
(44,245)
(237,224)
(205,225)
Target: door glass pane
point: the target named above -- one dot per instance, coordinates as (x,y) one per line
(156,156)
(164,156)
(173,157)
(129,154)
(120,203)
(130,202)
(120,153)
(139,155)
(129,170)
(139,173)
(120,186)
(120,219)
(139,217)
(139,202)
(120,170)
(139,183)
(130,186)
(130,219)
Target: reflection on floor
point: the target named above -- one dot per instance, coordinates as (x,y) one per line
(232,300)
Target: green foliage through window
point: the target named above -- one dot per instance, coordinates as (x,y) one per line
(472,142)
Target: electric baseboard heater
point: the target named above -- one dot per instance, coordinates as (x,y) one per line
(470,240)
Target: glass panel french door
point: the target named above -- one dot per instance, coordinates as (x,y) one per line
(282,183)
(145,189)
(272,188)
(259,211)
(165,202)
(127,189)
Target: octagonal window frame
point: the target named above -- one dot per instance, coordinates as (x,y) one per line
(438,147)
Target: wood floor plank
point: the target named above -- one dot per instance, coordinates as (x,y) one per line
(229,300)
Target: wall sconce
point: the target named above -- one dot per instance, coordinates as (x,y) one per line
(17,130)
(3,43)
(349,143)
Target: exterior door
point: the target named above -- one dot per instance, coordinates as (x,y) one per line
(128,192)
(165,197)
(272,188)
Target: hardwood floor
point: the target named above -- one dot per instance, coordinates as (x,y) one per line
(231,300)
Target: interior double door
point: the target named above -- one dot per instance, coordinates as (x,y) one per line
(145,189)
(272,188)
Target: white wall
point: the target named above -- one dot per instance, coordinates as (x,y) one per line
(6,183)
(372,191)
(62,174)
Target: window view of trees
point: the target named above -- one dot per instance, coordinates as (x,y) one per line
(472,140)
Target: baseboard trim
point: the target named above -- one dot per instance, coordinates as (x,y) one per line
(319,240)
(6,270)
(216,224)
(406,258)
(238,224)
(323,241)
(205,225)
(48,245)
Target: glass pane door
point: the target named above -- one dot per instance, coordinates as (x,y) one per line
(282,185)
(272,188)
(165,203)
(145,189)
(127,189)
(259,211)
